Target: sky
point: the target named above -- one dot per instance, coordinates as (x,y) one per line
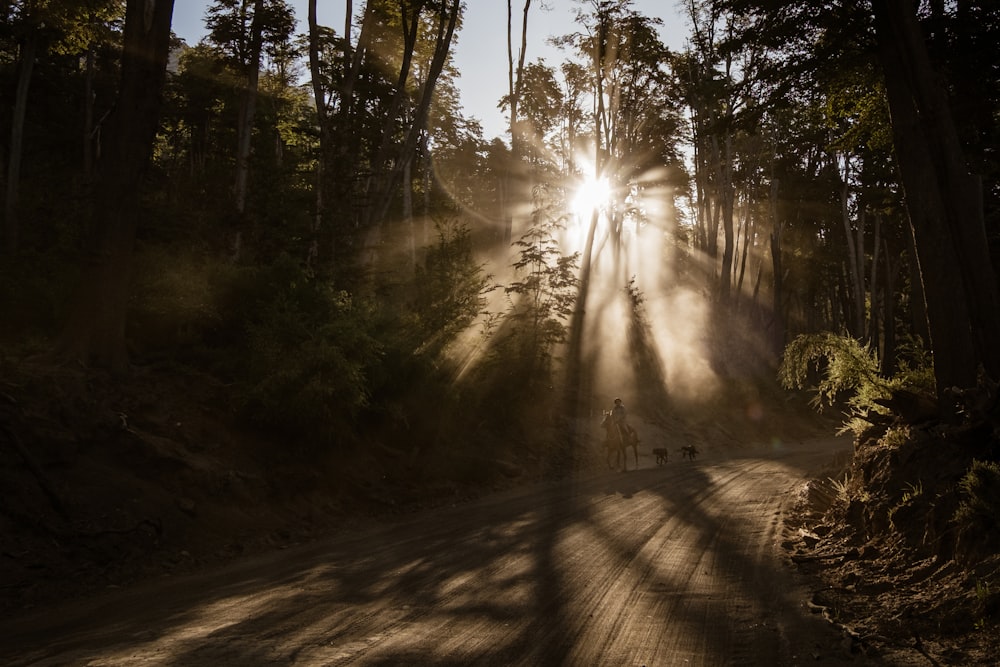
(481,50)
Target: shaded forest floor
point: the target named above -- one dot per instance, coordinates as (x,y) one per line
(106,483)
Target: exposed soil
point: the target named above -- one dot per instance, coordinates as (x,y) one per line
(107,484)
(893,569)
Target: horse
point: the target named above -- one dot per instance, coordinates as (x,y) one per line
(617,440)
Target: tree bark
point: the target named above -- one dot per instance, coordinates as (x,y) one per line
(248,112)
(88,117)
(727,197)
(448,19)
(323,120)
(778,315)
(95,331)
(945,206)
(24,71)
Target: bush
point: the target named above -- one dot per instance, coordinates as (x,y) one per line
(175,299)
(303,365)
(450,290)
(978,512)
(849,372)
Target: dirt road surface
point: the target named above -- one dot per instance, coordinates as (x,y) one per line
(668,565)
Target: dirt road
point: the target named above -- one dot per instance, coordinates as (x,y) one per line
(671,565)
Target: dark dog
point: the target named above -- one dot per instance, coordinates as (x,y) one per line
(661,454)
(689,452)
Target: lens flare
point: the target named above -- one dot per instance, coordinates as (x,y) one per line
(592,194)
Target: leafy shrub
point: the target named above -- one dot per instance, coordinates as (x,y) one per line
(849,372)
(543,297)
(845,366)
(979,510)
(175,300)
(450,289)
(303,365)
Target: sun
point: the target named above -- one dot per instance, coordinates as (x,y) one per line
(593,194)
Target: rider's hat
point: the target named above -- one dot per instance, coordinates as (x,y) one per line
(617,401)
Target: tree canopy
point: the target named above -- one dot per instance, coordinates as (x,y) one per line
(288,196)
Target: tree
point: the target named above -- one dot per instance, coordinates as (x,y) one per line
(61,27)
(546,289)
(31,16)
(244,29)
(95,331)
(390,165)
(944,202)
(377,108)
(515,84)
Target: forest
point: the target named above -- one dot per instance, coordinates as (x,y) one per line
(299,219)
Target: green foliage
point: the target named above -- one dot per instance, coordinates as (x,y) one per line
(451,288)
(175,299)
(987,604)
(305,354)
(845,365)
(913,491)
(979,510)
(544,296)
(849,372)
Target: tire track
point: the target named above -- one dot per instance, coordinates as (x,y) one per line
(673,565)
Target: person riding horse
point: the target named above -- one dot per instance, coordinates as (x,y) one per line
(619,416)
(619,434)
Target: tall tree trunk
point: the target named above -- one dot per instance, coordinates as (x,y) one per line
(387,154)
(514,83)
(727,196)
(854,254)
(95,331)
(247,115)
(748,236)
(88,117)
(944,203)
(343,166)
(447,20)
(892,266)
(24,71)
(323,120)
(778,314)
(872,334)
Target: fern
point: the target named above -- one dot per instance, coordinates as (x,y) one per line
(849,372)
(844,365)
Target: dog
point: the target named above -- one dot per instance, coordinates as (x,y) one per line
(662,455)
(689,452)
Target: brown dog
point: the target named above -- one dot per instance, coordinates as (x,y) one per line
(689,452)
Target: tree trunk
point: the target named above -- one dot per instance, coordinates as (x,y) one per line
(514,82)
(888,356)
(248,112)
(944,204)
(727,196)
(88,118)
(872,334)
(386,158)
(778,317)
(95,331)
(323,120)
(24,70)
(448,19)
(854,254)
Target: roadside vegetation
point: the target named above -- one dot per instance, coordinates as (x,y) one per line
(281,269)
